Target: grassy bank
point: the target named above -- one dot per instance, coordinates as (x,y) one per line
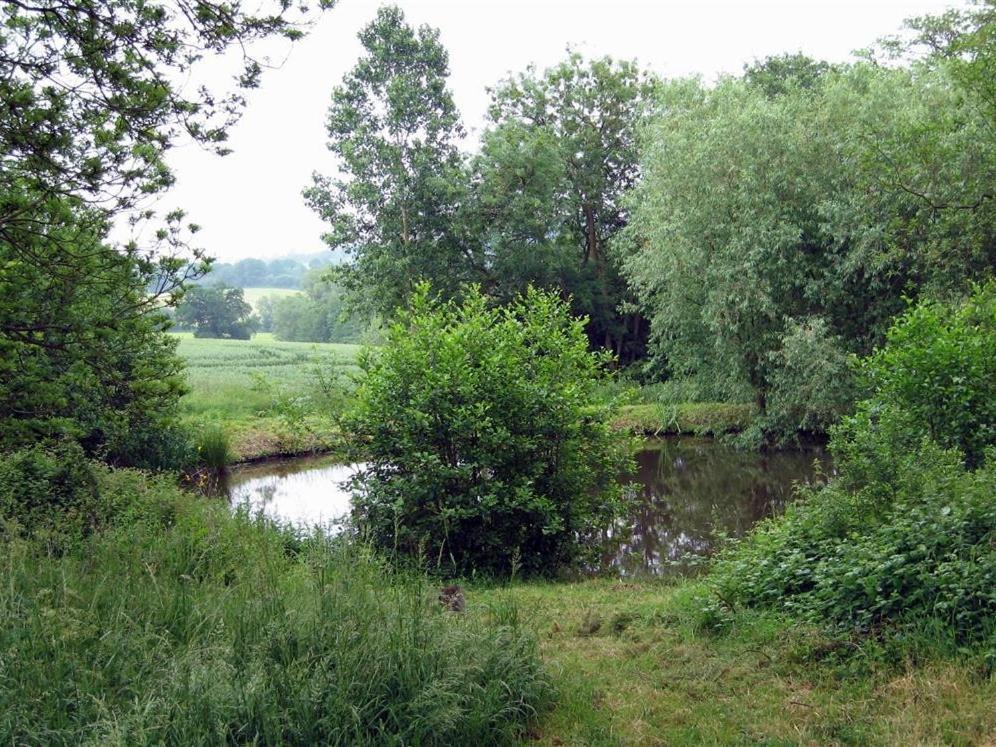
(632,665)
(180,624)
(695,418)
(267,395)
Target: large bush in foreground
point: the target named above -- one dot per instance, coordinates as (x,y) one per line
(484,450)
(907,533)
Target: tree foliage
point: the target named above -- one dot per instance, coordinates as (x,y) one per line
(817,208)
(317,315)
(93,100)
(217,311)
(586,113)
(484,450)
(538,204)
(906,535)
(394,128)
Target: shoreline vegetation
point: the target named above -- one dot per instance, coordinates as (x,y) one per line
(261,392)
(218,626)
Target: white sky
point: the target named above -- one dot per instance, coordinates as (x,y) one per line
(249,203)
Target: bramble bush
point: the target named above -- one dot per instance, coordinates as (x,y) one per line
(485,450)
(907,533)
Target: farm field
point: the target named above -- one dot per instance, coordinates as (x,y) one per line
(253,295)
(263,391)
(234,379)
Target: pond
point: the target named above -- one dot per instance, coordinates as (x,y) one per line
(686,493)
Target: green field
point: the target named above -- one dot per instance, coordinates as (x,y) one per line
(253,295)
(264,392)
(228,378)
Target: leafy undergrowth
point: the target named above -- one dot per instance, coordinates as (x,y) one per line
(633,664)
(698,418)
(180,624)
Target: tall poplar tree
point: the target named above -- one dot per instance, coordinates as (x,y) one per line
(394,129)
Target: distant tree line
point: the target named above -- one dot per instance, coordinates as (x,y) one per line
(283,272)
(318,314)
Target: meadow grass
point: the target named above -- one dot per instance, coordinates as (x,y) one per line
(224,375)
(632,664)
(697,418)
(265,393)
(184,624)
(246,385)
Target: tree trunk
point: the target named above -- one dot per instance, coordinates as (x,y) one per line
(592,249)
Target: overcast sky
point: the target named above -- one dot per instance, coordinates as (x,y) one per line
(249,203)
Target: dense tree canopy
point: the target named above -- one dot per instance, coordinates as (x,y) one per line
(769,221)
(217,311)
(538,205)
(586,113)
(317,315)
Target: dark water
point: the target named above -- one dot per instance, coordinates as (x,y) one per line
(689,492)
(685,494)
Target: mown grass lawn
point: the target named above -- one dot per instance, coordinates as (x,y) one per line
(632,666)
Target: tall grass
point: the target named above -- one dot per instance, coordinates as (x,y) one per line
(186,625)
(213,448)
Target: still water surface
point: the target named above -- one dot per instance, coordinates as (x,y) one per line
(685,494)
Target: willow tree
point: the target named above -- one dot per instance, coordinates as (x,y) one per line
(773,235)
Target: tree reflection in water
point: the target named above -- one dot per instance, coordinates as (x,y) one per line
(687,493)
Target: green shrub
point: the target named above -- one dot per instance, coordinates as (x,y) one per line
(851,559)
(812,385)
(485,452)
(49,489)
(907,532)
(938,372)
(183,624)
(152,445)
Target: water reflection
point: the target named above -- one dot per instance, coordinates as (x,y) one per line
(305,492)
(688,492)
(685,494)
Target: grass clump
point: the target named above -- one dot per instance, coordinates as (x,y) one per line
(179,623)
(213,447)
